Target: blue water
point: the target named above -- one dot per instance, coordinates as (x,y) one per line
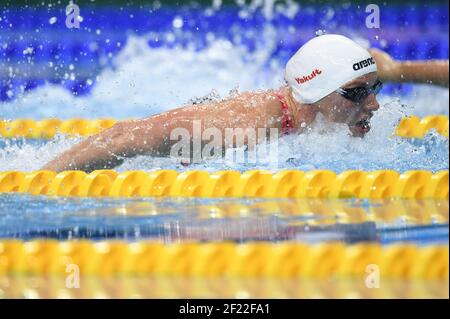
(41,51)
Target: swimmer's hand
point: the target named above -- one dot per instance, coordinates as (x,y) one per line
(428,71)
(388,69)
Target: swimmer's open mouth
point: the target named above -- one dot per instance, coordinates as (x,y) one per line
(362,126)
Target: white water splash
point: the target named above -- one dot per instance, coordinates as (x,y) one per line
(28,156)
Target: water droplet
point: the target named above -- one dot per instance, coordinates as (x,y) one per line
(320,32)
(28,50)
(177,22)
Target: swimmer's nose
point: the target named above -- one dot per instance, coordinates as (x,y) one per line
(372,103)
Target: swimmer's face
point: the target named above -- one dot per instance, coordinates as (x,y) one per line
(339,109)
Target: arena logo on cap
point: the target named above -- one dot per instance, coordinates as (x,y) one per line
(306,78)
(363,64)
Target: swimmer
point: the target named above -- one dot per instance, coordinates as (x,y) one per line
(330,74)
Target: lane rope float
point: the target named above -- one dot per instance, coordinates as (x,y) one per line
(408,127)
(55,287)
(414,184)
(225,259)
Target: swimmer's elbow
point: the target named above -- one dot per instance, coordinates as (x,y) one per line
(126,139)
(117,138)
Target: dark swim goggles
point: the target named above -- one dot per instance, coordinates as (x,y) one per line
(359,93)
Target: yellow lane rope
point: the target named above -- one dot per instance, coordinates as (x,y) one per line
(408,127)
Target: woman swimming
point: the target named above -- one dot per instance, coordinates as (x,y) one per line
(331,75)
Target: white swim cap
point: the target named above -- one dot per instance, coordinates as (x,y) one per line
(324,64)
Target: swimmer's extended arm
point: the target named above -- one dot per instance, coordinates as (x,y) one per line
(431,71)
(108,148)
(152,135)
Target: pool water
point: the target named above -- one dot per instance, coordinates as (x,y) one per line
(173,220)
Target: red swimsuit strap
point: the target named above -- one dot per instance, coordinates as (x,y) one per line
(286,120)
